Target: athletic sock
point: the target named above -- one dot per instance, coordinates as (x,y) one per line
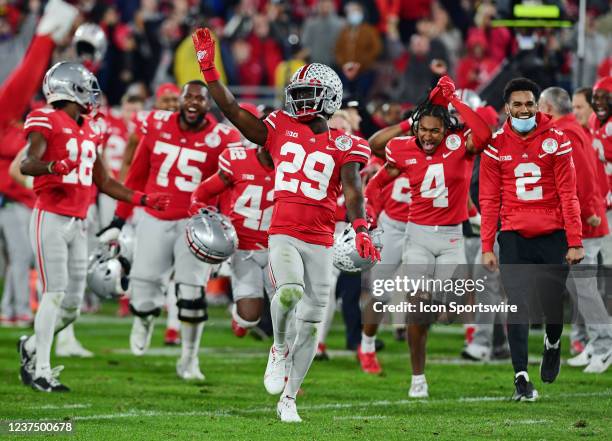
(191,334)
(44,326)
(368,344)
(523,373)
(279,316)
(418,379)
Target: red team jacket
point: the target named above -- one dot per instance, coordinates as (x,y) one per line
(530,183)
(307,176)
(251,196)
(68,195)
(174,161)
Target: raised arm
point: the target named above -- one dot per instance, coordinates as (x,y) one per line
(379,140)
(249,125)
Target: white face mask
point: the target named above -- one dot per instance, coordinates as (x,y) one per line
(523,125)
(355,18)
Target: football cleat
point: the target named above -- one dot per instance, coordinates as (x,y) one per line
(140,336)
(70,347)
(238,330)
(524,390)
(321,354)
(369,362)
(475,352)
(172,337)
(599,364)
(274,377)
(189,370)
(50,382)
(551,362)
(580,360)
(419,390)
(27,361)
(287,411)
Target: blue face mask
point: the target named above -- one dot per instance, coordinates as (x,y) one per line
(523,125)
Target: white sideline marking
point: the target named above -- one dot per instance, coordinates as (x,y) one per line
(361,417)
(526,422)
(63,406)
(382,403)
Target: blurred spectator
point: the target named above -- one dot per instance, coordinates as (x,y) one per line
(241,23)
(357,48)
(16,33)
(597,47)
(320,33)
(476,68)
(410,12)
(447,34)
(186,67)
(500,41)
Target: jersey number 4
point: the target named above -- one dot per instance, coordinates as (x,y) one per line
(190,175)
(434,187)
(83,172)
(307,164)
(248,205)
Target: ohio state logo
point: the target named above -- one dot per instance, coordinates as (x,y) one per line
(212,140)
(550,145)
(453,142)
(343,143)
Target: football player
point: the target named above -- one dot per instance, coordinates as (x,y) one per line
(311,161)
(528,164)
(177,151)
(249,174)
(61,155)
(437,163)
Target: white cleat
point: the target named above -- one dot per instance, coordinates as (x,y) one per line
(599,364)
(274,378)
(476,352)
(287,411)
(582,359)
(189,370)
(71,348)
(418,390)
(140,337)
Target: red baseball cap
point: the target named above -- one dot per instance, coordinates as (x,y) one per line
(605,83)
(165,88)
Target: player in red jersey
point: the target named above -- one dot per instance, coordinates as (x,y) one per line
(249,175)
(583,283)
(311,161)
(61,155)
(178,150)
(166,98)
(437,163)
(528,180)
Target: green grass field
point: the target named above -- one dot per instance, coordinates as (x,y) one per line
(117,396)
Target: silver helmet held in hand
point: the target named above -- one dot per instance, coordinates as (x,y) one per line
(90,41)
(107,272)
(69,81)
(345,256)
(211,237)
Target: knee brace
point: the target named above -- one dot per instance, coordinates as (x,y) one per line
(191,303)
(289,295)
(242,322)
(155,312)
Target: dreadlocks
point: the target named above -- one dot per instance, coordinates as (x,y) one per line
(427,108)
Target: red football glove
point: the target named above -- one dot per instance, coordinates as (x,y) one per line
(205,50)
(62,167)
(447,87)
(156,201)
(371,216)
(195,208)
(366,248)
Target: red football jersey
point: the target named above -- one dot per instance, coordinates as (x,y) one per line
(602,143)
(307,176)
(394,198)
(252,196)
(116,140)
(68,195)
(439,182)
(530,183)
(174,161)
(138,120)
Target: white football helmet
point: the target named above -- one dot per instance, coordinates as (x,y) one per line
(469,97)
(314,88)
(90,41)
(345,256)
(69,81)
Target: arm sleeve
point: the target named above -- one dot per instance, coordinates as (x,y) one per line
(137,177)
(481,133)
(271,122)
(26,79)
(359,152)
(489,197)
(226,164)
(565,181)
(38,121)
(209,189)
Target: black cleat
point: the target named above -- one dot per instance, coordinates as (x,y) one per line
(524,390)
(50,383)
(551,363)
(27,362)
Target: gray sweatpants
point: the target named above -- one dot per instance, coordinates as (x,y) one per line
(14,222)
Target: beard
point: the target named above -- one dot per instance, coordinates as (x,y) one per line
(195,122)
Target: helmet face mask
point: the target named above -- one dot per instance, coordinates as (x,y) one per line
(314,89)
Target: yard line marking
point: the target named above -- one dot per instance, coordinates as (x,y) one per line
(527,422)
(63,406)
(361,417)
(381,403)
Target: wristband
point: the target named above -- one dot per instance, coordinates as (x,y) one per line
(360,223)
(50,167)
(211,74)
(138,198)
(405,125)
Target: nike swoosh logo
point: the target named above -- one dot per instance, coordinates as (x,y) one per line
(446,155)
(199,144)
(330,148)
(541,155)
